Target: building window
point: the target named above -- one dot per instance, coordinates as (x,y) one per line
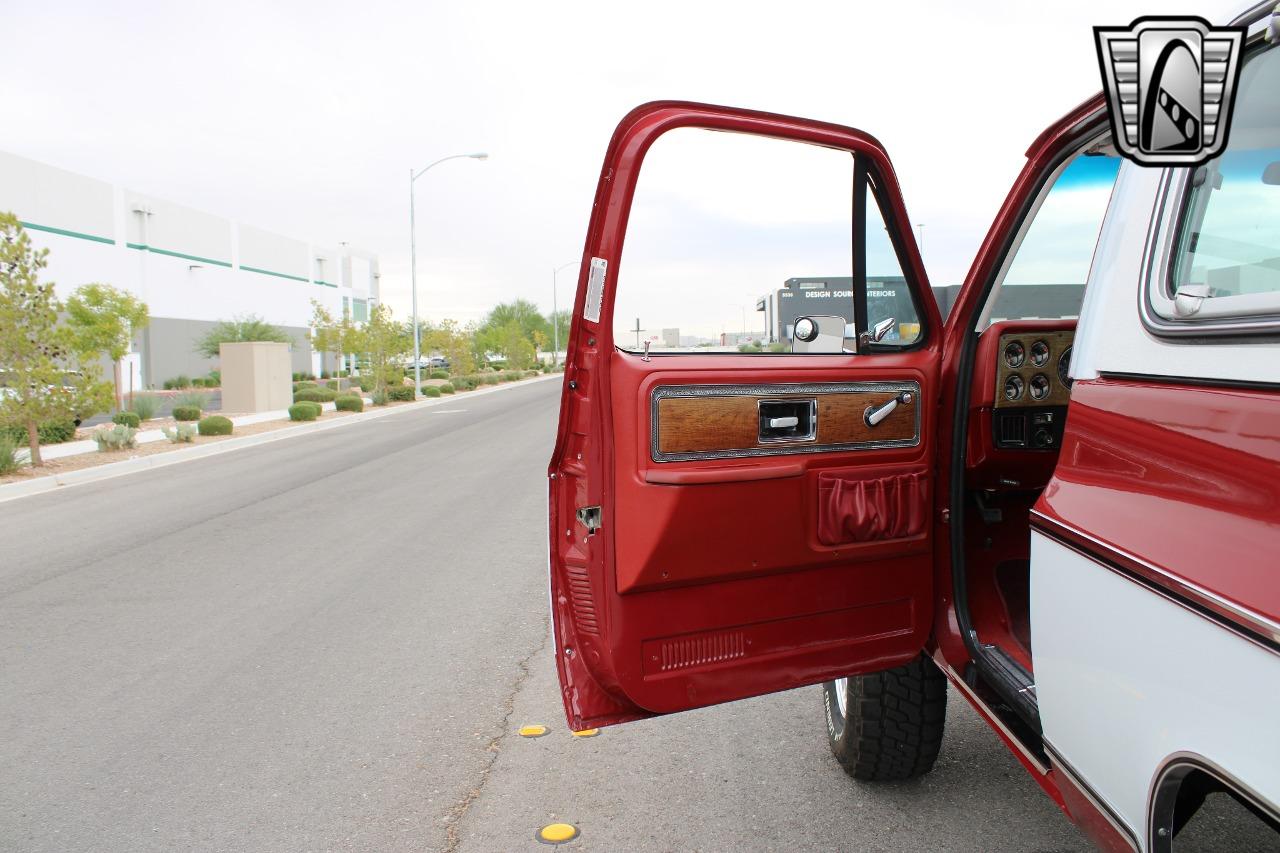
(360,310)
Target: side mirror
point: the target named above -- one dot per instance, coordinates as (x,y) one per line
(1271,174)
(818,333)
(877,333)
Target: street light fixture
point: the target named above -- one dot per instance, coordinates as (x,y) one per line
(555,321)
(413,266)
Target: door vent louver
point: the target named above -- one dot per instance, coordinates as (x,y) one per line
(584,607)
(1013,430)
(704,649)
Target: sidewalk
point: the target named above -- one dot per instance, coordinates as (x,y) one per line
(38,485)
(147,436)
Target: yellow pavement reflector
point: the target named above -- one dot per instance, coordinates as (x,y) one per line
(586,733)
(556,833)
(532,731)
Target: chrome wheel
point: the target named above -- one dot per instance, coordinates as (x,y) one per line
(842,696)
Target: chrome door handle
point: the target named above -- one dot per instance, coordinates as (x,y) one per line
(783,423)
(875,414)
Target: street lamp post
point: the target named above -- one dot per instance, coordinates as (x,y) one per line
(555,320)
(413,268)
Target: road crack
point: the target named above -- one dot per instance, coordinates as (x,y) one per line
(453,832)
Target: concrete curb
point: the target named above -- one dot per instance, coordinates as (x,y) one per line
(40,485)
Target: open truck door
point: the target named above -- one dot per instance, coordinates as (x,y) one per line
(723,524)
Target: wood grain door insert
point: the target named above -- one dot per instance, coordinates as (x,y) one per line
(723,421)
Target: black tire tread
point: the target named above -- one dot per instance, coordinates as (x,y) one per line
(895,725)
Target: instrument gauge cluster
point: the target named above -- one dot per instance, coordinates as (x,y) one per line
(1014,354)
(1040,387)
(1039,354)
(1031,368)
(1064,365)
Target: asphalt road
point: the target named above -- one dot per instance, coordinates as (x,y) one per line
(327,643)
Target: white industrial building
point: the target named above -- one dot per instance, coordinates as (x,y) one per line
(192,268)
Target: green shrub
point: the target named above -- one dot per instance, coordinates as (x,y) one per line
(446,388)
(379,397)
(129,419)
(462,383)
(511,376)
(333,384)
(180,433)
(324,374)
(214,379)
(118,437)
(186,413)
(315,395)
(438,374)
(400,393)
(430,391)
(191,398)
(349,403)
(366,383)
(298,386)
(304,411)
(529,374)
(11,458)
(215,425)
(177,382)
(53,432)
(491,379)
(198,382)
(145,406)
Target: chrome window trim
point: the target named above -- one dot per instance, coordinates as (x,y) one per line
(772,391)
(1239,316)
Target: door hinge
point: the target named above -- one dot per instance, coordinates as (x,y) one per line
(589,516)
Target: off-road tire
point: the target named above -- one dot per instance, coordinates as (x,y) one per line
(892,725)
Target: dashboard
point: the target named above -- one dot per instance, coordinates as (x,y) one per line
(1032,388)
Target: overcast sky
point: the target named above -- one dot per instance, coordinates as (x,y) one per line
(304,118)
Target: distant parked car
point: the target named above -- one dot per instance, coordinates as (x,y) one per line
(438,362)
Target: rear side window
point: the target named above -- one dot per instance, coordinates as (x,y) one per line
(1224,259)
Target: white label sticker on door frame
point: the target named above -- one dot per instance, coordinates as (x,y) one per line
(595,290)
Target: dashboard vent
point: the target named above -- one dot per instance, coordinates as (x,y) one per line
(1013,430)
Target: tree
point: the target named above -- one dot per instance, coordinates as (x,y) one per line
(494,334)
(48,377)
(516,346)
(384,343)
(332,336)
(560,325)
(244,327)
(104,320)
(454,342)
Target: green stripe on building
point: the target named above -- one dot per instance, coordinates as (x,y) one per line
(277,274)
(325,283)
(31,226)
(152,249)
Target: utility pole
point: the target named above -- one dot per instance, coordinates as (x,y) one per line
(637,330)
(555,319)
(413,267)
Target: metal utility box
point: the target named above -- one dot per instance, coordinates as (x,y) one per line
(256,377)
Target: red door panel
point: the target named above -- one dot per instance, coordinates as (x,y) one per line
(692,563)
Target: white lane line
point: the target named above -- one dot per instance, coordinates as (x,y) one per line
(446,411)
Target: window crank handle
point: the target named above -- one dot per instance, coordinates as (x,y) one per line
(875,414)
